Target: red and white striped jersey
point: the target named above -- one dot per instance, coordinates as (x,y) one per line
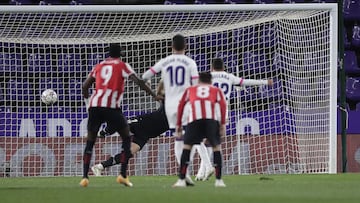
(206,102)
(110,76)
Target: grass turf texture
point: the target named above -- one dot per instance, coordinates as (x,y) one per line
(157,189)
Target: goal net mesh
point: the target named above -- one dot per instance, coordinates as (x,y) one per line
(278,129)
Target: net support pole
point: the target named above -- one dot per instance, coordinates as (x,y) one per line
(238,152)
(333,89)
(238,117)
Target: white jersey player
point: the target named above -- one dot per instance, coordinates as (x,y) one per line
(225,81)
(178,72)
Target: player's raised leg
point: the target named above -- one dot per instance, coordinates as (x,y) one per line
(111,161)
(143,129)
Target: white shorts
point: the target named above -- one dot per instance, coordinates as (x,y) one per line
(171,114)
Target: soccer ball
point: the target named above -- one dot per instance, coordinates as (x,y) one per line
(49,97)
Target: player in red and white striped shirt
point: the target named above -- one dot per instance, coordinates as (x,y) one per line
(207,119)
(204,100)
(105,106)
(108,89)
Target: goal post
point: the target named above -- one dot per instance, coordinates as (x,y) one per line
(287,128)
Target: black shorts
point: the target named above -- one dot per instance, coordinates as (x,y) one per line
(148,126)
(113,117)
(197,130)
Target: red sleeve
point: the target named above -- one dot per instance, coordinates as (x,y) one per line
(127,70)
(223,106)
(181,107)
(93,72)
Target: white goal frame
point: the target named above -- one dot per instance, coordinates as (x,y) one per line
(332,7)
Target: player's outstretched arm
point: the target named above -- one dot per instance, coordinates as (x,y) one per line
(85,89)
(148,74)
(152,71)
(144,87)
(252,82)
(238,81)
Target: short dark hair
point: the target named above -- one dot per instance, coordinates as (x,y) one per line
(218,64)
(205,77)
(115,50)
(178,42)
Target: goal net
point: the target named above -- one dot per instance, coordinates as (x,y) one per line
(286,128)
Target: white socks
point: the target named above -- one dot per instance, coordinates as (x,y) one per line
(210,152)
(203,166)
(203,154)
(205,162)
(178,148)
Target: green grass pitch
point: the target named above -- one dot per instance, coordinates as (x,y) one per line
(340,188)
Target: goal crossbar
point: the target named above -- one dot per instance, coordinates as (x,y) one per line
(168,8)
